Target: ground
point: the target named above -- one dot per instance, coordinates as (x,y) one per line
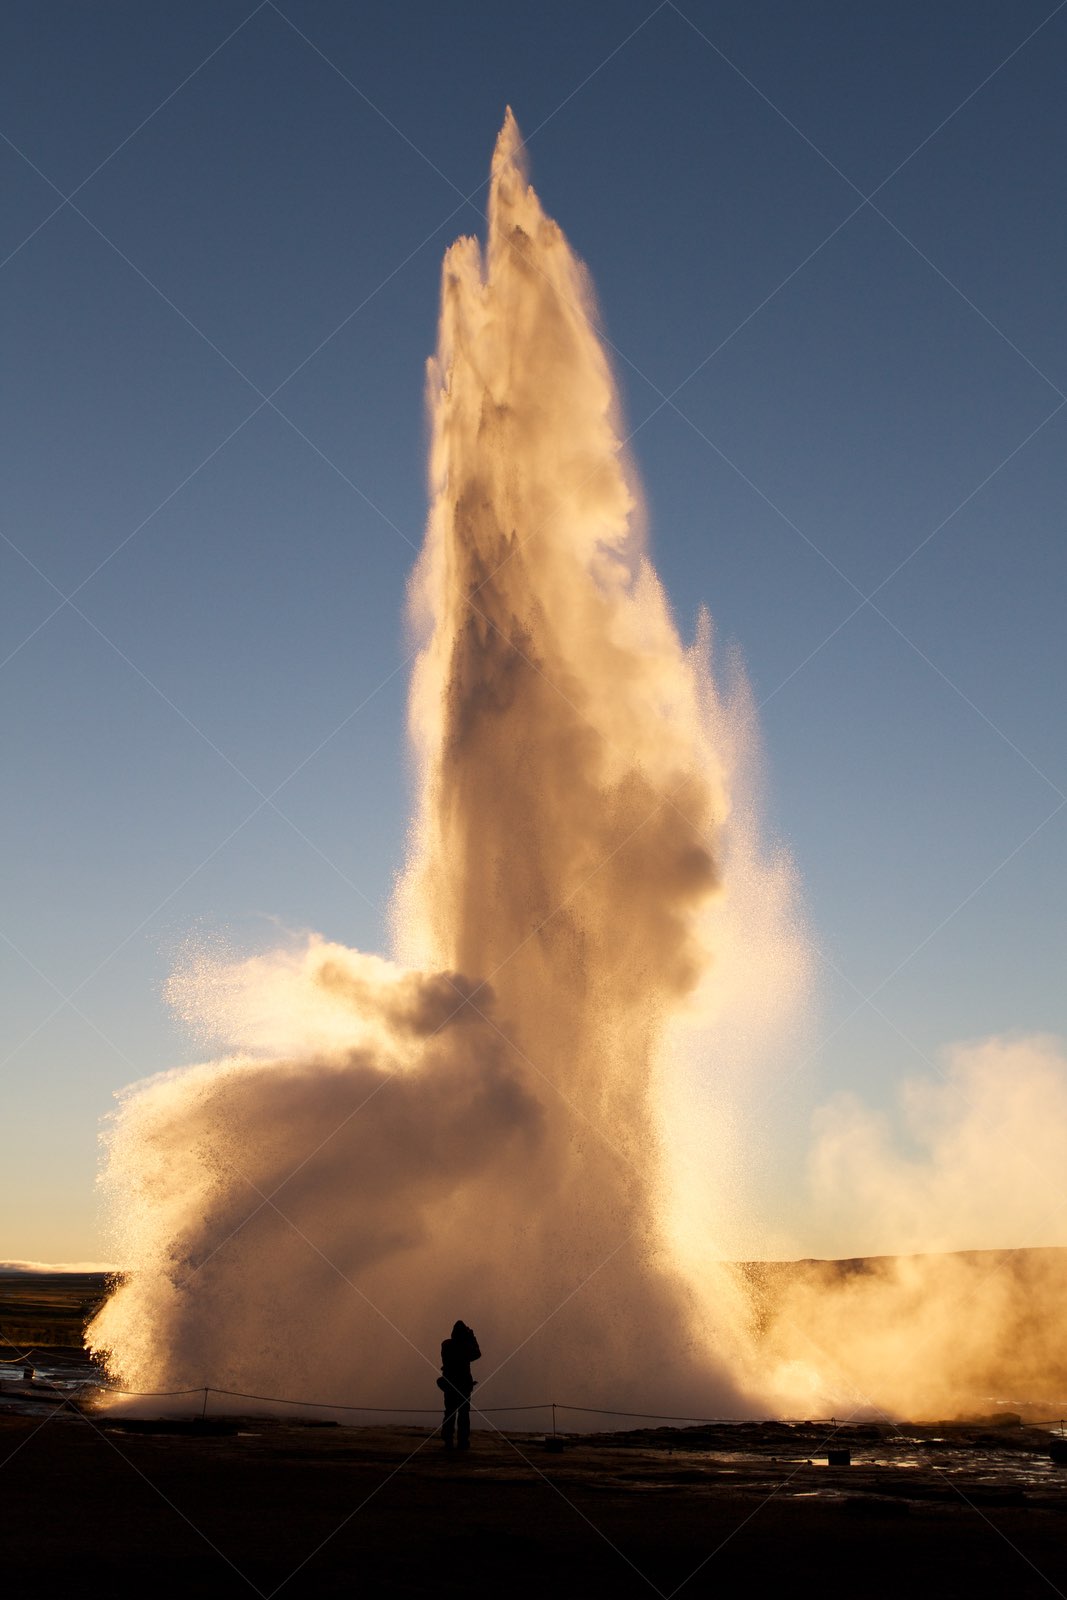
(322,1511)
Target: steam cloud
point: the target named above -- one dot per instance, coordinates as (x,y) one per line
(534,1118)
(987,1157)
(481,1131)
(976,1160)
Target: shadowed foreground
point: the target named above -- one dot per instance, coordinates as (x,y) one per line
(331,1510)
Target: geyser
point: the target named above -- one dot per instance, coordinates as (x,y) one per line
(485,1130)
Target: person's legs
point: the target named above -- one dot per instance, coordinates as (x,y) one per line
(464,1421)
(448,1424)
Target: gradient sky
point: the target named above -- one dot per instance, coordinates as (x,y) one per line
(828,242)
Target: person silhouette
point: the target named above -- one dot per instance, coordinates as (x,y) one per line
(456,1383)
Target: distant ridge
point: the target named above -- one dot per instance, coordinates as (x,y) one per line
(23,1268)
(844,1265)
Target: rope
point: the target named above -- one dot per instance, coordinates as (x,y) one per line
(322,1405)
(425,1411)
(158,1394)
(44,1359)
(655,1416)
(413,1411)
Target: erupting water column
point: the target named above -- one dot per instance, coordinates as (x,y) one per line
(566,829)
(476,1133)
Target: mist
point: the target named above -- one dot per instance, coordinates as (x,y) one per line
(538,1112)
(488,1125)
(955,1204)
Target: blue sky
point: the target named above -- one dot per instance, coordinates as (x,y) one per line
(828,245)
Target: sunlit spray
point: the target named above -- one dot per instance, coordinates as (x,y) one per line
(515,1121)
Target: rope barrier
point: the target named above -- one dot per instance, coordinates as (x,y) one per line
(322,1405)
(156,1394)
(538,1405)
(656,1416)
(420,1411)
(413,1411)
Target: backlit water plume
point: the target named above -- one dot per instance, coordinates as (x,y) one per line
(491,1126)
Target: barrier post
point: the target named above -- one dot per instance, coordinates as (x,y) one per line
(553,1419)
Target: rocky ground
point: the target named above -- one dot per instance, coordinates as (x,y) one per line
(259,1507)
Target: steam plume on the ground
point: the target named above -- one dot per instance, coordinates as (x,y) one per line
(261,1200)
(924,1334)
(987,1163)
(482,1133)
